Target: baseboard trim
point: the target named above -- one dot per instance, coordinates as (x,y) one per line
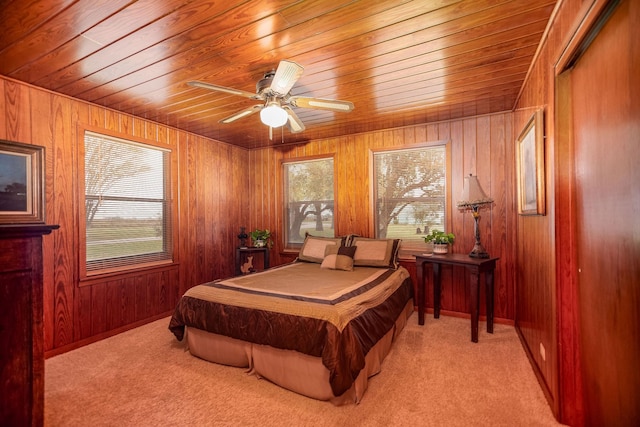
(99,337)
(500,320)
(539,376)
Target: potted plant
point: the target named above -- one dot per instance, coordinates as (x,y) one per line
(261,238)
(440,240)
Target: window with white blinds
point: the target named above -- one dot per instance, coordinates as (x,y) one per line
(410,190)
(308,198)
(127,204)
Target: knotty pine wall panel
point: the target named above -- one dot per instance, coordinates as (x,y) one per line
(479,145)
(502,150)
(207,175)
(543,301)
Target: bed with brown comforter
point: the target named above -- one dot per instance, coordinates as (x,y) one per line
(316,331)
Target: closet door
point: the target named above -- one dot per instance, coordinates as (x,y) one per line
(606,131)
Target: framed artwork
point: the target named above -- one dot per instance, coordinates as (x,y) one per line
(530,166)
(21,183)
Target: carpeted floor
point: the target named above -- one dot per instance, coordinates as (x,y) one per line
(434,376)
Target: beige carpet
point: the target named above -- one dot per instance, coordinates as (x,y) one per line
(434,376)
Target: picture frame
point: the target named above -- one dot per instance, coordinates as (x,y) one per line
(531,167)
(21,183)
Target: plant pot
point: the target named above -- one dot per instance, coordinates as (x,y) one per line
(440,248)
(259,243)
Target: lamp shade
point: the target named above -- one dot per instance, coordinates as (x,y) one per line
(472,193)
(273,115)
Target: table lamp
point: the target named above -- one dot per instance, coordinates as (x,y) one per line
(473,197)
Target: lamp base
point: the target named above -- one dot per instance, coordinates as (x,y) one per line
(478,252)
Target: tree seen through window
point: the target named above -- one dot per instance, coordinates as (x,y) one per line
(127,203)
(309,199)
(410,192)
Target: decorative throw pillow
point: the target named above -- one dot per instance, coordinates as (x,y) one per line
(348,240)
(376,252)
(339,257)
(313,248)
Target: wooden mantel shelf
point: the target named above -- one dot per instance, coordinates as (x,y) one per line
(9,231)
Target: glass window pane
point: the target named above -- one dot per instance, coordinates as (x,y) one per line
(127,211)
(410,192)
(309,200)
(112,234)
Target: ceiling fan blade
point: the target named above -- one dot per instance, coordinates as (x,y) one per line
(217,88)
(243,113)
(294,123)
(322,104)
(286,76)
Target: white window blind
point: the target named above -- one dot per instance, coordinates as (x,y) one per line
(410,194)
(309,200)
(127,203)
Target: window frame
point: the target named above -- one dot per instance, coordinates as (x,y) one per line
(295,247)
(88,276)
(408,250)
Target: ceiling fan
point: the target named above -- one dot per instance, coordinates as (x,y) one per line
(274,89)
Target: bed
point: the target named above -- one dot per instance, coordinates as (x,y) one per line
(320,326)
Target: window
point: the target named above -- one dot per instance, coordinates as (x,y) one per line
(308,198)
(127,204)
(410,193)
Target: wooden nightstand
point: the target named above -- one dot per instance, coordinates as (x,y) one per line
(242,253)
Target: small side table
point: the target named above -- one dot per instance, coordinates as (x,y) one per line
(250,250)
(475,266)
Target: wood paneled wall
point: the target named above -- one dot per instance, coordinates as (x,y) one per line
(209,176)
(547,292)
(536,309)
(480,145)
(222,187)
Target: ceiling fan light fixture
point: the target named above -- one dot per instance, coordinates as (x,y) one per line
(273,115)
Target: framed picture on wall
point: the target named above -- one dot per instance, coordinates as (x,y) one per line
(530,166)
(21,183)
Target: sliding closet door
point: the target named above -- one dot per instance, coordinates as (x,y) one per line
(605,99)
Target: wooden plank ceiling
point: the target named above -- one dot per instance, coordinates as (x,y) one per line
(399,62)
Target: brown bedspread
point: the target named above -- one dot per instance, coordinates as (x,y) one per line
(332,314)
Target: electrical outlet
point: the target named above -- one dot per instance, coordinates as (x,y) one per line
(543,352)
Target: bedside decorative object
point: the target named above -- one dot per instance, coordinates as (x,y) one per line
(473,197)
(247,267)
(243,236)
(261,238)
(440,248)
(440,241)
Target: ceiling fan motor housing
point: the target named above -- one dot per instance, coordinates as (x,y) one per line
(265,82)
